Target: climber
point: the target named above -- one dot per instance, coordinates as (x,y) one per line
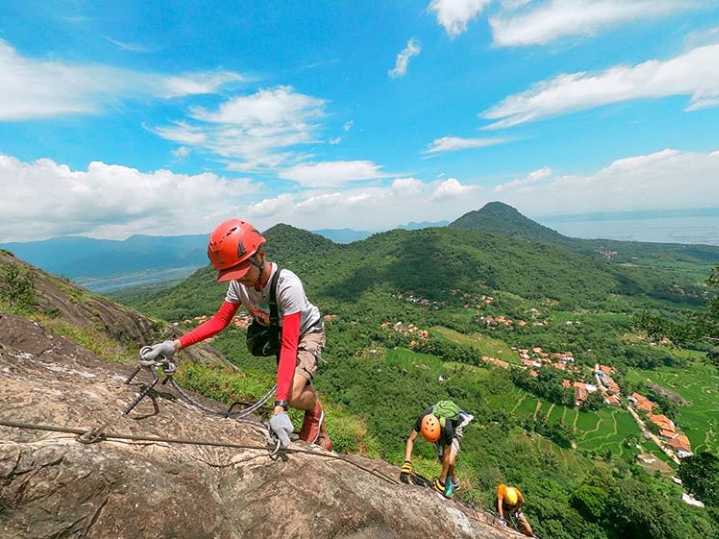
(443,424)
(510,500)
(285,325)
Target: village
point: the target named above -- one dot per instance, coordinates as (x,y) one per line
(655,427)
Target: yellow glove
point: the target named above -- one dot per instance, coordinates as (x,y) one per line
(438,486)
(407,467)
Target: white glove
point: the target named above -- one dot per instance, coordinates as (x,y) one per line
(151,353)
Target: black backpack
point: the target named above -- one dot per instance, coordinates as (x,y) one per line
(264,341)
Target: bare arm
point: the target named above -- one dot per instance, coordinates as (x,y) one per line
(410,445)
(500,509)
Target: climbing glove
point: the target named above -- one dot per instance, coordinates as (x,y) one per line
(407,467)
(503,522)
(281,427)
(438,486)
(151,353)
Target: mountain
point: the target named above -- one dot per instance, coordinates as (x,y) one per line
(343,235)
(504,220)
(429,263)
(423,224)
(500,218)
(104,265)
(373,382)
(212,476)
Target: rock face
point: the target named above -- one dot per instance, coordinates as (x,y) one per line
(81,308)
(52,486)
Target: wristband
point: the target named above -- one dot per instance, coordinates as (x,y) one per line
(283,403)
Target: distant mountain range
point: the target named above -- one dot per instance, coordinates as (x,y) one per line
(106,265)
(348,235)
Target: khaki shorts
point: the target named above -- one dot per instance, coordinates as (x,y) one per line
(309,353)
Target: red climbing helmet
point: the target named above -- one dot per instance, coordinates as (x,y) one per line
(231,246)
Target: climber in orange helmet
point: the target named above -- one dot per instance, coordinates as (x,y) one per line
(510,500)
(285,325)
(442,424)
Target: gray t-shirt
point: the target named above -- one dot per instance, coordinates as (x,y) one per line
(291,299)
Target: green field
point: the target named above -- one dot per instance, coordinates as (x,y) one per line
(489,347)
(698,384)
(598,431)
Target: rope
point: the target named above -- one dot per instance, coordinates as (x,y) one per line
(240,416)
(105,436)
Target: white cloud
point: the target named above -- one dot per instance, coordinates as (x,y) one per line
(514,4)
(182,152)
(407,186)
(130,47)
(32,88)
(413,48)
(451,188)
(455,15)
(694,73)
(270,206)
(334,141)
(369,208)
(347,126)
(253,132)
(45,199)
(560,18)
(532,178)
(332,173)
(668,179)
(451,144)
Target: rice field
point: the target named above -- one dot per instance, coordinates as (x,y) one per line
(698,384)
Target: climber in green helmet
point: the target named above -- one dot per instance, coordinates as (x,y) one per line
(443,424)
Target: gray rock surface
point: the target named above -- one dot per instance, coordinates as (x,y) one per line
(80,308)
(51,486)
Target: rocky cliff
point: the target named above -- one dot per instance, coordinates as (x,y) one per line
(53,486)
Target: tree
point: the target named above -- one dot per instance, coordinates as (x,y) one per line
(700,474)
(594,401)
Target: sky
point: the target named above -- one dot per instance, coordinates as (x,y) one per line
(167,118)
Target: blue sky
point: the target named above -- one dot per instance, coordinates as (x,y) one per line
(168,117)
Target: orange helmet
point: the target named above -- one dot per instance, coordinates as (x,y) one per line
(230,248)
(431,429)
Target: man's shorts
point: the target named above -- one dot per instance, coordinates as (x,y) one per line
(309,353)
(464,420)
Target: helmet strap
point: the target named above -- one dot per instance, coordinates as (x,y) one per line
(261,267)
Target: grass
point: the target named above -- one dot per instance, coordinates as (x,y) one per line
(349,433)
(95,340)
(489,347)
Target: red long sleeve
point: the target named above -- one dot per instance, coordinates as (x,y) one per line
(288,355)
(220,320)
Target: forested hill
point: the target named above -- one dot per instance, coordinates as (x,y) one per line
(502,219)
(428,263)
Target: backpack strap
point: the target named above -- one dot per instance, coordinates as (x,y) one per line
(274,311)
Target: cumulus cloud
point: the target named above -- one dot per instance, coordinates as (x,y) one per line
(694,73)
(45,199)
(531,178)
(253,132)
(347,126)
(667,179)
(33,89)
(455,15)
(407,186)
(451,188)
(452,144)
(560,18)
(332,173)
(413,48)
(375,207)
